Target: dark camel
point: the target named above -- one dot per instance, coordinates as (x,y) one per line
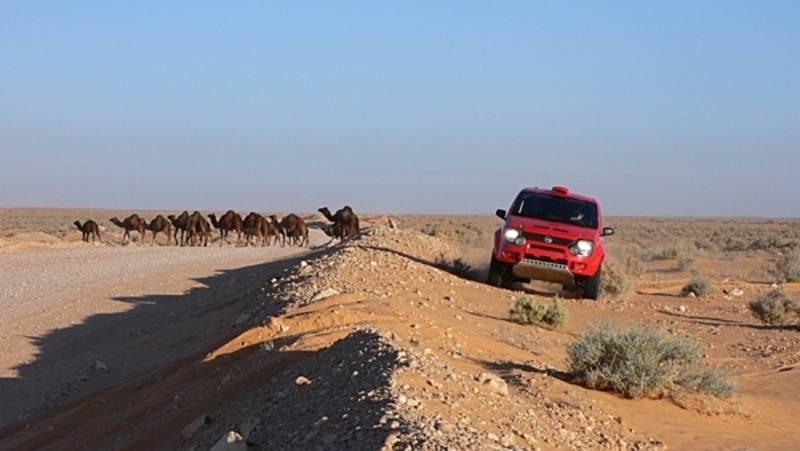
(255,226)
(294,228)
(180,223)
(334,231)
(275,225)
(160,224)
(198,229)
(132,222)
(345,218)
(88,228)
(230,221)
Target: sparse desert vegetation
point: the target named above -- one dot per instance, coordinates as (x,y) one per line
(550,315)
(409,291)
(639,361)
(775,307)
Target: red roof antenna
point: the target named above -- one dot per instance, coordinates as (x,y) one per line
(561,190)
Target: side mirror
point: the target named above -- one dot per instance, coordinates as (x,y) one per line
(500,213)
(607,231)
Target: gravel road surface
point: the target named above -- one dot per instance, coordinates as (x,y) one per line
(75,320)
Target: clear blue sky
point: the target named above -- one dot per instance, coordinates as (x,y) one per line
(656,108)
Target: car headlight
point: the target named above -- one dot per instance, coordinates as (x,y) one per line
(513,236)
(582,248)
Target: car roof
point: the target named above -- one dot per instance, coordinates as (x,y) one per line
(552,191)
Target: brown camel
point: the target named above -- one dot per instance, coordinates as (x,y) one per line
(255,226)
(88,228)
(198,229)
(132,222)
(181,223)
(294,228)
(345,217)
(280,233)
(160,224)
(230,221)
(334,231)
(265,232)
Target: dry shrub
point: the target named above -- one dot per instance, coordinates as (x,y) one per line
(639,361)
(529,311)
(788,267)
(774,307)
(615,281)
(633,266)
(700,286)
(685,263)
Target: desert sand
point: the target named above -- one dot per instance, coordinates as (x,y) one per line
(387,340)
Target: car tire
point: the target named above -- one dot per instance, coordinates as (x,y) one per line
(592,288)
(498,273)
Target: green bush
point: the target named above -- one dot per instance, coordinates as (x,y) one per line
(639,361)
(700,286)
(773,307)
(529,311)
(788,267)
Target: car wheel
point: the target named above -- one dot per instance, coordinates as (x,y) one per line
(592,288)
(498,273)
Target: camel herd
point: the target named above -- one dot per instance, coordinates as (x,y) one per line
(255,229)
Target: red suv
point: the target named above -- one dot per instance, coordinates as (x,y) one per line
(551,235)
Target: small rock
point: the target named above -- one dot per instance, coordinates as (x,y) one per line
(326,293)
(508,440)
(231,441)
(301,381)
(99,365)
(445,428)
(198,423)
(248,426)
(493,383)
(390,441)
(242,319)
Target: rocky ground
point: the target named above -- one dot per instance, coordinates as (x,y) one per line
(390,341)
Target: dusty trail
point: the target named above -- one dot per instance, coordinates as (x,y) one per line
(83,318)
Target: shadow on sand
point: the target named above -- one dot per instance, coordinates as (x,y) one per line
(107,349)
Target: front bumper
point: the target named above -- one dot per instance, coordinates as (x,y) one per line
(543,270)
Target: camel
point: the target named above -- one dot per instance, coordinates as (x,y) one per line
(88,228)
(345,217)
(198,229)
(265,232)
(160,224)
(181,223)
(132,222)
(254,226)
(334,231)
(272,232)
(275,225)
(294,228)
(228,222)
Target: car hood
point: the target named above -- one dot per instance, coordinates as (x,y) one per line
(556,229)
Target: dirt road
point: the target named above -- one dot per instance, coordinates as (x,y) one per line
(79,319)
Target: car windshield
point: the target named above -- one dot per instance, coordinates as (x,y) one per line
(553,208)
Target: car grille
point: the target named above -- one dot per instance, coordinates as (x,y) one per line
(538,237)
